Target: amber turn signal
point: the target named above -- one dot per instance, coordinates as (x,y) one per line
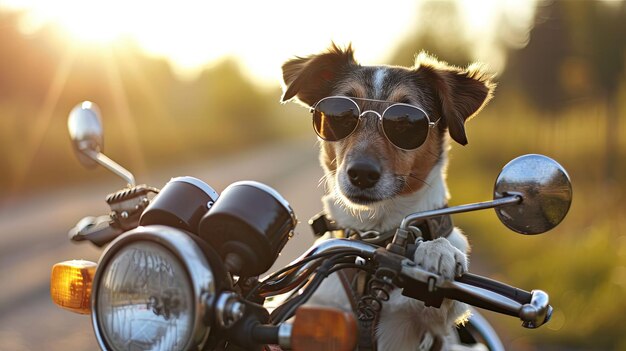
(323,328)
(70,285)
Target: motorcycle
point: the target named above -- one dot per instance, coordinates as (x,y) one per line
(181,265)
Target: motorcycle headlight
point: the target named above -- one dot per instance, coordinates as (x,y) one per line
(152,291)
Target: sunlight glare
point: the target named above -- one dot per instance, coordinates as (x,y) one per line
(93,23)
(493,26)
(260,34)
(194,35)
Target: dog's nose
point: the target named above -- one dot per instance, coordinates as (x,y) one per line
(364,174)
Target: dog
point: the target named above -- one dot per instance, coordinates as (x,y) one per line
(390,163)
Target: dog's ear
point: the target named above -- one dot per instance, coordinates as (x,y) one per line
(311,78)
(460,93)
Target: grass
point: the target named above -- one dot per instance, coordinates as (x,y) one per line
(582,262)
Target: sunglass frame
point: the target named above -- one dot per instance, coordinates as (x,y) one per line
(380,117)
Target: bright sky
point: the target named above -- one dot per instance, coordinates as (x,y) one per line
(261,34)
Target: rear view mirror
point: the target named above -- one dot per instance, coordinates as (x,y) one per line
(85,128)
(545,189)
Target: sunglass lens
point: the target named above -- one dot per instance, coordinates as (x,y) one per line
(405,126)
(335,118)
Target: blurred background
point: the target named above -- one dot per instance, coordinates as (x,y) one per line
(194,89)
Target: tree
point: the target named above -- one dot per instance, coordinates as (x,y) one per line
(536,68)
(440,33)
(590,34)
(600,28)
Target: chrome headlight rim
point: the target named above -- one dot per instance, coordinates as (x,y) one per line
(190,256)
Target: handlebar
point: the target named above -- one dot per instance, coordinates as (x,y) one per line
(531,307)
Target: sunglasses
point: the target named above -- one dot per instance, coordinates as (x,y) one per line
(405,126)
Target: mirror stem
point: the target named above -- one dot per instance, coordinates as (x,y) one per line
(510,199)
(111,165)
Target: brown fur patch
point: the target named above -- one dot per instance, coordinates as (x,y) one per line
(421,163)
(462,93)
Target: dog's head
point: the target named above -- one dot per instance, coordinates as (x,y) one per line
(364,167)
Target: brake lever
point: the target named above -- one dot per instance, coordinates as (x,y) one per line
(99,230)
(532,308)
(126,208)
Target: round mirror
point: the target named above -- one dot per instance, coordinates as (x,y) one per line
(545,189)
(86,132)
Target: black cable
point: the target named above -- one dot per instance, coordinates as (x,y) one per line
(292,296)
(288,308)
(324,271)
(275,275)
(308,259)
(276,279)
(301,299)
(339,267)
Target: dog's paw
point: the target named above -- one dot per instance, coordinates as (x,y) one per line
(440,257)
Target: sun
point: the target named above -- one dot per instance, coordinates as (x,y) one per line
(89,26)
(84,22)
